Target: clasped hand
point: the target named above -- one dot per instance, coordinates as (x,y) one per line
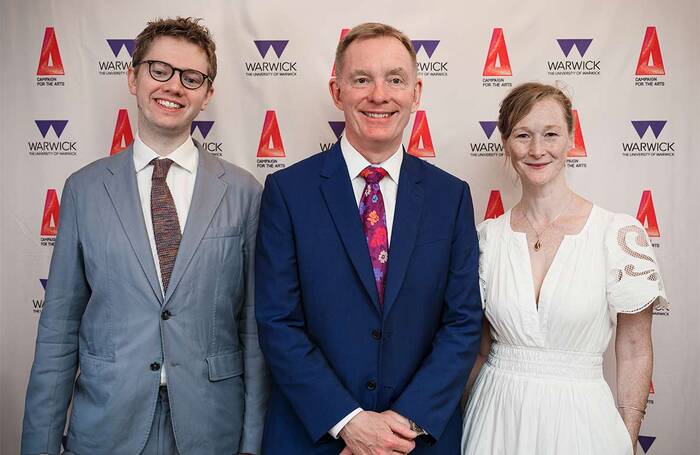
(372,433)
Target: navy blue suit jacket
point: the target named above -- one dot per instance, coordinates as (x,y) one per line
(329,345)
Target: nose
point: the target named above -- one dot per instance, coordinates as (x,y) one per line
(378,94)
(174,85)
(536,147)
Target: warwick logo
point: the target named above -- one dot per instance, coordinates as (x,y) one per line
(268,66)
(646,442)
(270,146)
(337,128)
(123,137)
(646,214)
(648,147)
(488,147)
(494,208)
(571,65)
(50,63)
(49,147)
(343,32)
(430,67)
(204,127)
(38,304)
(49,220)
(421,142)
(116,66)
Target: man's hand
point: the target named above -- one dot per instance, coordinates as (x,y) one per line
(370,433)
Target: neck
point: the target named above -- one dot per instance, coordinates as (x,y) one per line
(374,153)
(544,203)
(162,144)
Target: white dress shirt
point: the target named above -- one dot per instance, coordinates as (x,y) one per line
(180,180)
(389,186)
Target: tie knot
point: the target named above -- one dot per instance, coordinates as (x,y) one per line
(373,174)
(161,167)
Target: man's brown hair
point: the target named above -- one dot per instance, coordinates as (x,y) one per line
(371,30)
(186,28)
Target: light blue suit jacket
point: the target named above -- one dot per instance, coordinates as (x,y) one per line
(103,314)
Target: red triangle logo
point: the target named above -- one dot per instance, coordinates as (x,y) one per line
(49,221)
(270,145)
(123,137)
(50,63)
(497,61)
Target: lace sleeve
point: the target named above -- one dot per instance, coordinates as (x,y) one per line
(634,281)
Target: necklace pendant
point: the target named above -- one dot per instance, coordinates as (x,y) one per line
(538,245)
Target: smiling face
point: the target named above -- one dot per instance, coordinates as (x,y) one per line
(167,109)
(377,89)
(538,144)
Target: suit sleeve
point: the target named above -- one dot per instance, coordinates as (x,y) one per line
(432,395)
(298,366)
(56,356)
(256,374)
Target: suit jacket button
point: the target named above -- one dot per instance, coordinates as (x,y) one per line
(165,315)
(371,385)
(377,334)
(155,366)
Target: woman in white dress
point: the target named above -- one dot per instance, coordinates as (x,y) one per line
(558,276)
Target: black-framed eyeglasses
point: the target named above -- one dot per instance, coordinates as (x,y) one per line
(163,72)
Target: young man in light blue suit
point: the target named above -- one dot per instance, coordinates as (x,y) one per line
(367,294)
(150,291)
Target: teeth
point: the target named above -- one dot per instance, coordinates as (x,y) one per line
(376,115)
(168,104)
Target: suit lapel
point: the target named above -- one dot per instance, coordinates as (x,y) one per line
(409,205)
(340,199)
(209,189)
(123,191)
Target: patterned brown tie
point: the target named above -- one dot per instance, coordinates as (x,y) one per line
(166,227)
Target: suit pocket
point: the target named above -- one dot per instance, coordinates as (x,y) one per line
(222,231)
(225,366)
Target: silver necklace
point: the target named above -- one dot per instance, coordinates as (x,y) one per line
(538,243)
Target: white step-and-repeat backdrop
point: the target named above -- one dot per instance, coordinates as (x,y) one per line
(631,69)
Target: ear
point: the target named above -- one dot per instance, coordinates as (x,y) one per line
(417,92)
(131,80)
(207,98)
(334,89)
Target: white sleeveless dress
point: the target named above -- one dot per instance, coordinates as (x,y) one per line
(541,391)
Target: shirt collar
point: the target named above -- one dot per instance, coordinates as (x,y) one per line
(356,162)
(185,155)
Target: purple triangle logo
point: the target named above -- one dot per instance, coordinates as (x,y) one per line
(488,128)
(117,44)
(428,45)
(43,282)
(646,442)
(641,126)
(581,44)
(338,128)
(265,45)
(44,125)
(204,127)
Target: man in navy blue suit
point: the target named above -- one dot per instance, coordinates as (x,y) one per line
(367,295)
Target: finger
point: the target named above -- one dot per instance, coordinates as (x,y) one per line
(402,430)
(346,451)
(399,444)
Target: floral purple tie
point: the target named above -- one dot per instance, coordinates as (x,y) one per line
(166,226)
(373,218)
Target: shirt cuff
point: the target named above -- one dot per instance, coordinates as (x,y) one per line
(335,431)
